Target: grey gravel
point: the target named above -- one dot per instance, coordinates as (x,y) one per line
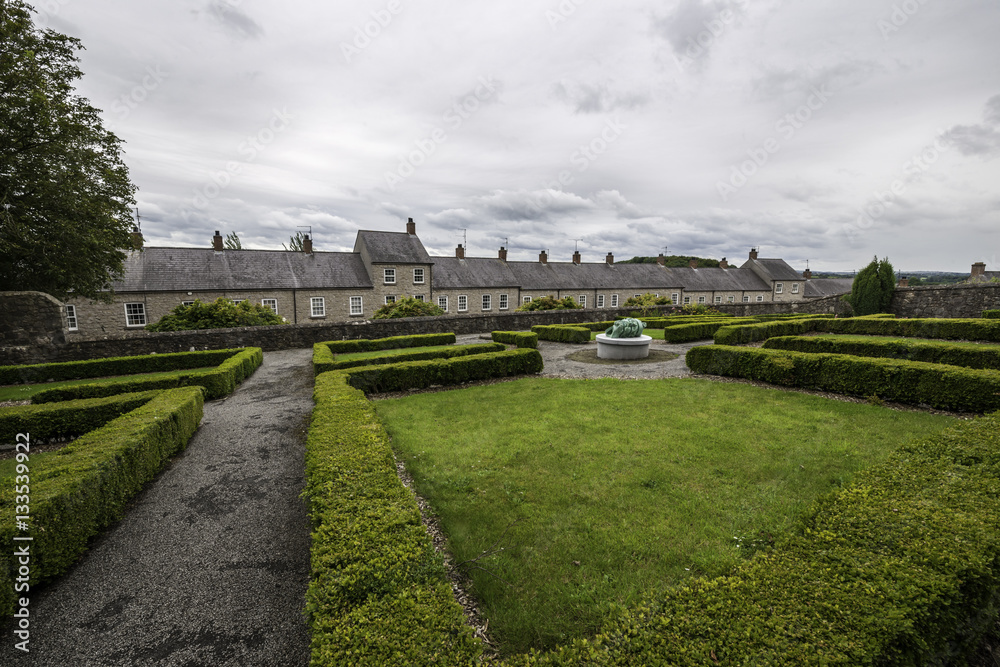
(211,562)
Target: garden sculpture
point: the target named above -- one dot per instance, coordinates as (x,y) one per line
(627,328)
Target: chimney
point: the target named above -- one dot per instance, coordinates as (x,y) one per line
(693,264)
(661,260)
(610,259)
(543,257)
(576,257)
(904,282)
(807,274)
(307,245)
(753,253)
(136,239)
(411,227)
(503,254)
(978,269)
(723,264)
(217,242)
(460,252)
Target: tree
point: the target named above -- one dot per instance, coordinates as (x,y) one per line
(220,314)
(407,307)
(550,303)
(873,288)
(65,195)
(295,242)
(233,242)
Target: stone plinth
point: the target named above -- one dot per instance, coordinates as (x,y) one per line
(622,348)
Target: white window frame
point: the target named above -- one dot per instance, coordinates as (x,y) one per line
(504,302)
(389,276)
(760,298)
(270,303)
(487,302)
(418,280)
(357,306)
(72,323)
(795,288)
(132,319)
(675,298)
(779,288)
(418,297)
(526,299)
(390,298)
(317,306)
(687,300)
(583,300)
(600,301)
(732,299)
(746,298)
(463,303)
(718,299)
(614,300)
(237,302)
(637,296)
(702,299)
(443,303)
(187,303)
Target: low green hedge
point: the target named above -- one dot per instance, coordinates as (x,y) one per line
(902,567)
(912,382)
(69,418)
(393,343)
(422,374)
(948,329)
(686,333)
(524,339)
(378,594)
(751,333)
(600,327)
(991,314)
(322,365)
(954,354)
(562,333)
(84,488)
(94,368)
(218,382)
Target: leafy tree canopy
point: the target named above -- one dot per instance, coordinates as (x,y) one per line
(220,314)
(65,195)
(676,261)
(407,307)
(295,242)
(233,242)
(873,288)
(550,303)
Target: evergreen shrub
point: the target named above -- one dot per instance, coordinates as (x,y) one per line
(423,374)
(392,343)
(953,354)
(68,418)
(562,333)
(525,339)
(991,314)
(111,366)
(323,363)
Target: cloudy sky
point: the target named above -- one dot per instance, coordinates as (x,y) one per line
(818,130)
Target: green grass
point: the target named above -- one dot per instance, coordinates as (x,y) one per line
(619,489)
(23,392)
(390,353)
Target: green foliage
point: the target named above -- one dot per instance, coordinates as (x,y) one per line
(942,328)
(65,195)
(322,363)
(83,488)
(562,333)
(295,243)
(524,339)
(646,304)
(391,343)
(675,261)
(911,382)
(550,303)
(685,333)
(233,242)
(699,309)
(739,334)
(111,366)
(68,418)
(967,355)
(408,307)
(217,382)
(873,288)
(444,372)
(220,314)
(991,314)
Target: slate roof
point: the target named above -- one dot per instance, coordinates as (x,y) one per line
(454,273)
(392,248)
(720,280)
(189,269)
(777,269)
(817,288)
(570,276)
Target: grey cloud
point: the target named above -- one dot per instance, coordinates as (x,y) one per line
(597,98)
(992,113)
(780,82)
(234,20)
(978,140)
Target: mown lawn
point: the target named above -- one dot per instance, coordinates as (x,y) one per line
(609,491)
(23,392)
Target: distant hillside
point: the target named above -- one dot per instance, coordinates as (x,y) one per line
(917,278)
(676,261)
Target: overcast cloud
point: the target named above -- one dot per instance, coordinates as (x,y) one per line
(822,131)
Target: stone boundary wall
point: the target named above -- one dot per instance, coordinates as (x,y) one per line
(945,300)
(31,322)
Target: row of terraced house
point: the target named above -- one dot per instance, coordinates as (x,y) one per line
(312,286)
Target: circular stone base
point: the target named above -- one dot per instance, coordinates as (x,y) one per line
(589,356)
(622,348)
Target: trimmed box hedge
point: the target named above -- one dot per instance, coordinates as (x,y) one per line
(68,418)
(912,382)
(525,339)
(323,361)
(943,328)
(967,355)
(686,333)
(218,382)
(94,368)
(392,343)
(562,333)
(84,487)
(751,333)
(991,314)
(422,374)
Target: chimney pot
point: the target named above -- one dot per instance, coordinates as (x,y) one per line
(576,257)
(137,239)
(411,227)
(307,245)
(543,257)
(610,259)
(460,252)
(807,274)
(978,269)
(753,253)
(693,264)
(502,254)
(723,264)
(661,260)
(217,242)
(904,282)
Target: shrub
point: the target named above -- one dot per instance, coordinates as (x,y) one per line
(111,366)
(324,363)
(550,303)
(952,354)
(217,382)
(422,374)
(646,303)
(699,309)
(942,328)
(524,339)
(407,307)
(220,314)
(873,288)
(393,343)
(751,333)
(83,489)
(912,382)
(562,333)
(684,333)
(69,418)
(991,314)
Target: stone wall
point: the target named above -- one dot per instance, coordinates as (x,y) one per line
(31,322)
(946,300)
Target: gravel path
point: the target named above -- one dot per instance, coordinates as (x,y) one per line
(211,562)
